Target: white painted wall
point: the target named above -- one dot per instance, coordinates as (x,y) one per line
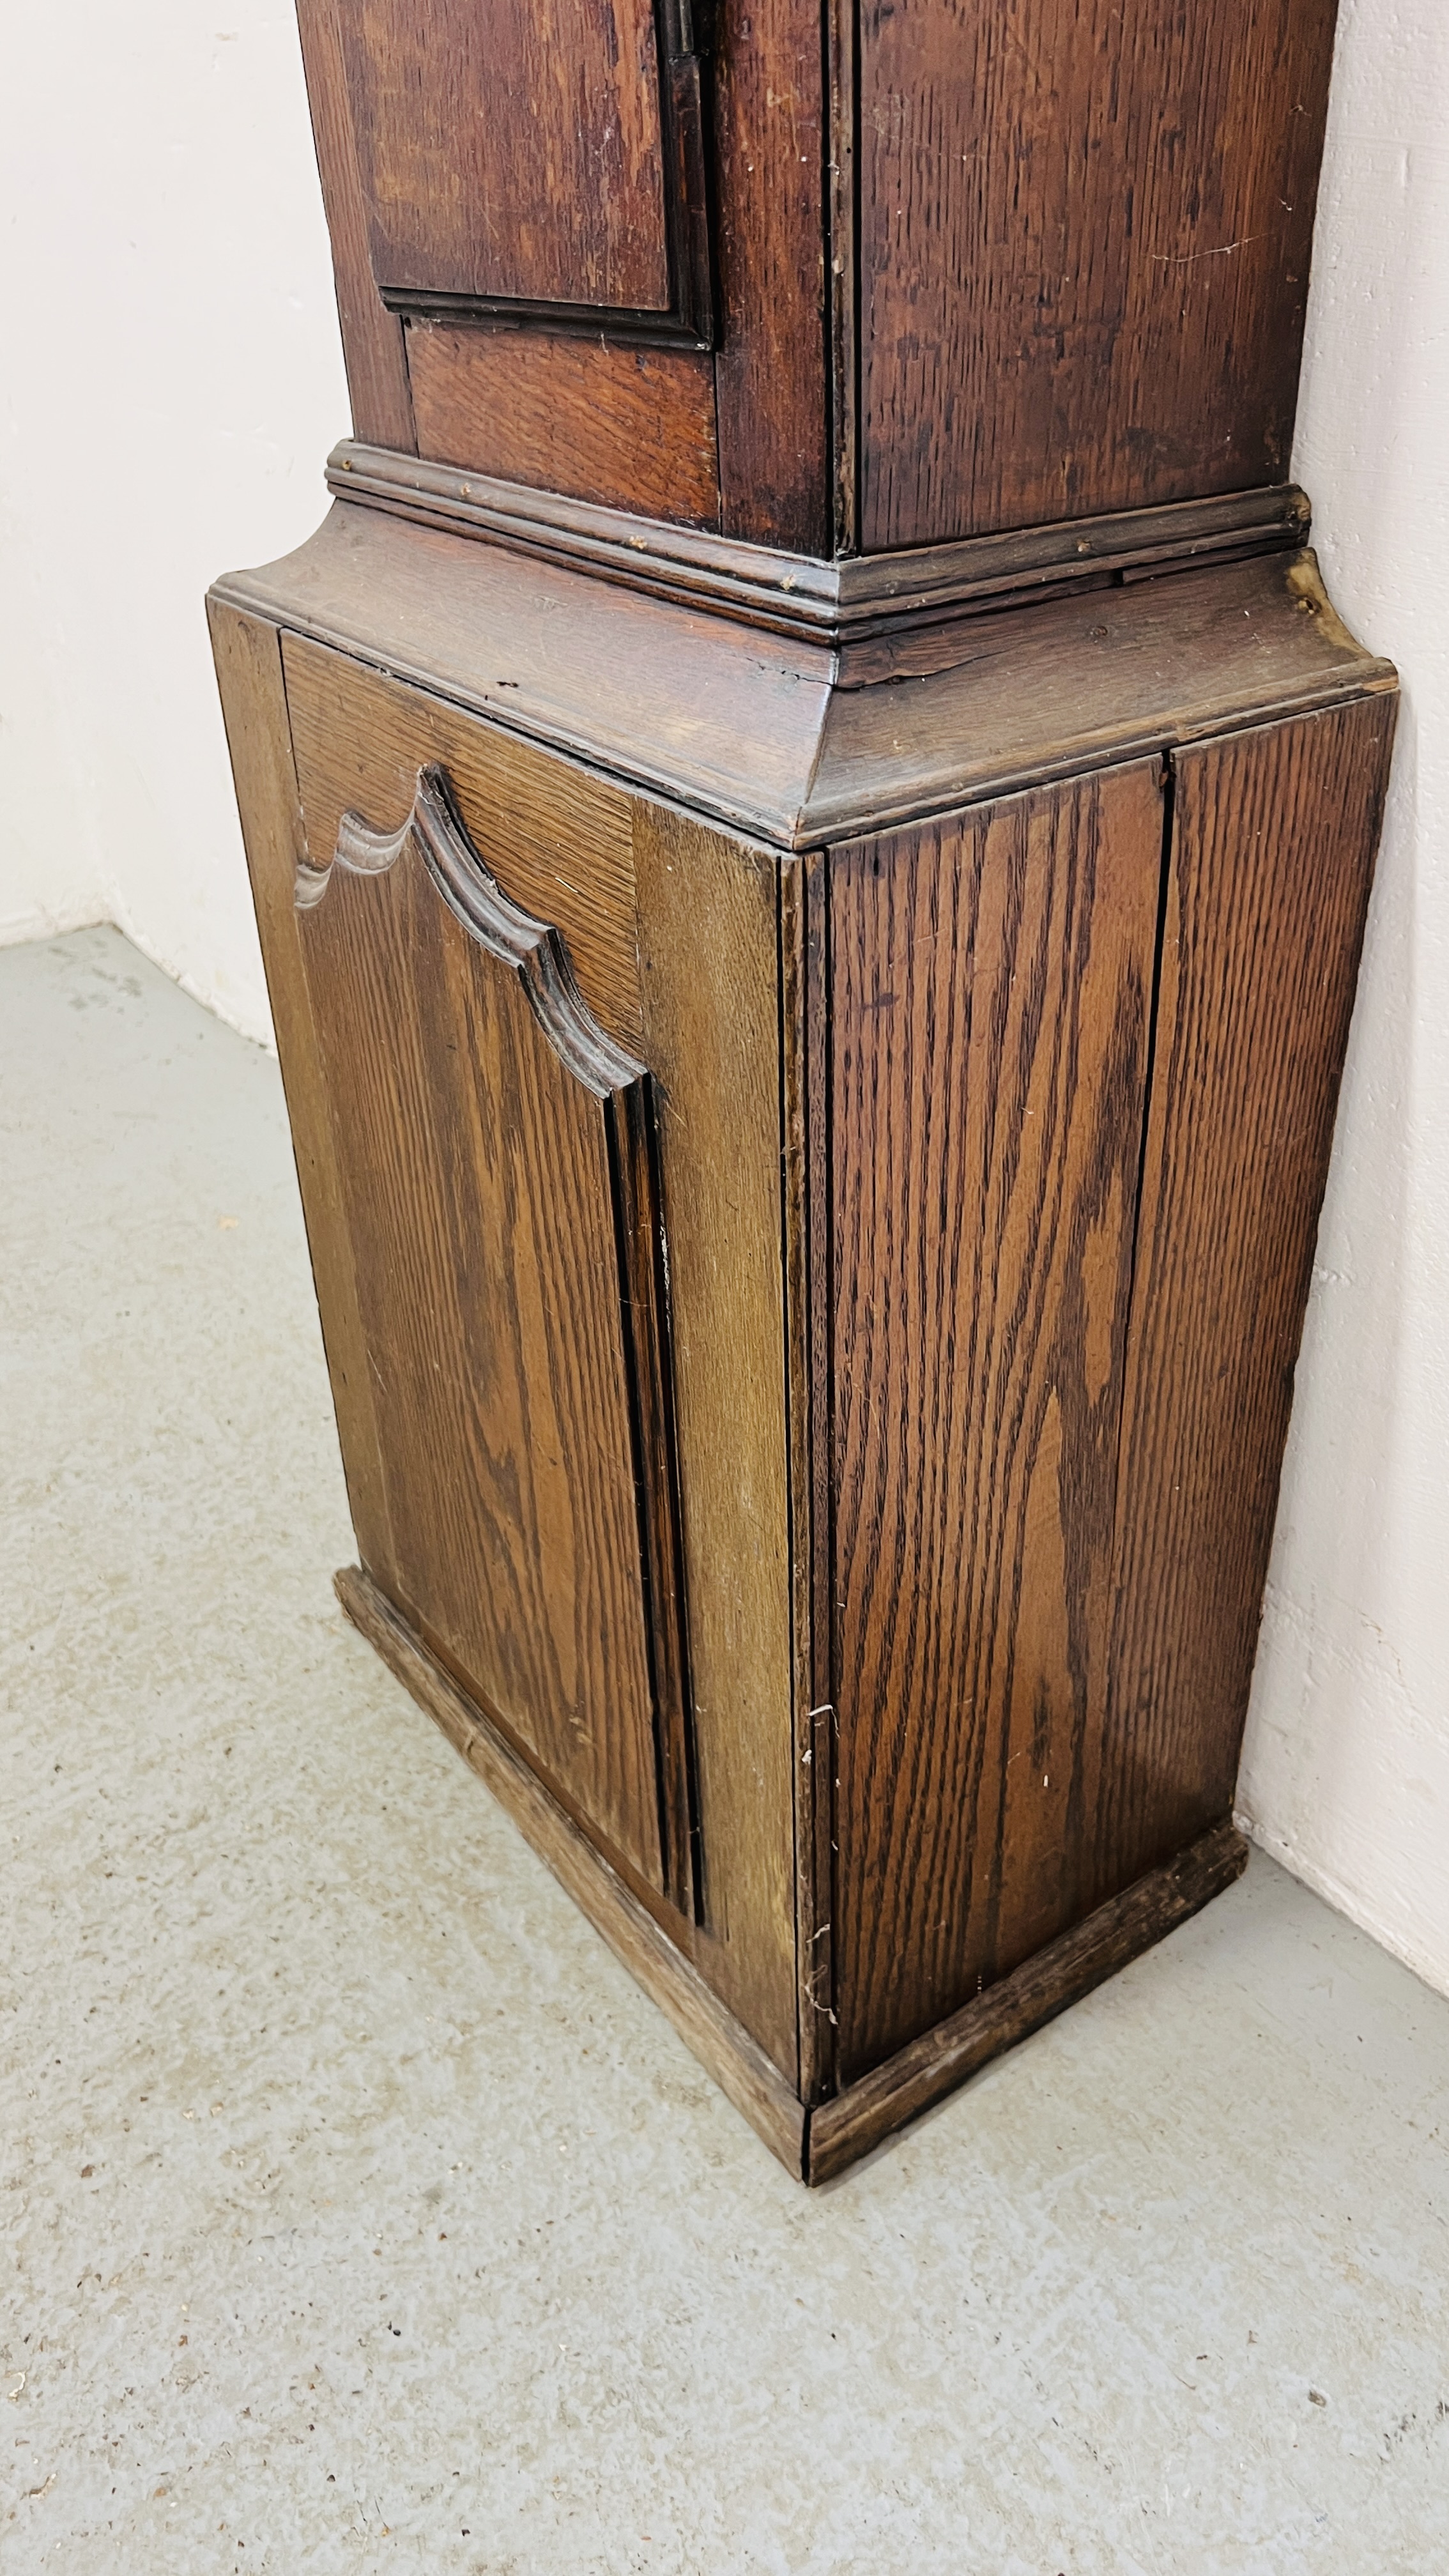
(1346,1765)
(173,381)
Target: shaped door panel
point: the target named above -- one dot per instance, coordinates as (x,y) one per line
(498,1171)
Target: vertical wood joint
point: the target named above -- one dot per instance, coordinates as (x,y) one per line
(805,1227)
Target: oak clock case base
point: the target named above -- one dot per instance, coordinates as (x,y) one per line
(814,2142)
(812,1091)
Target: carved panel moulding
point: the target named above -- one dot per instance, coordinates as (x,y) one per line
(537,963)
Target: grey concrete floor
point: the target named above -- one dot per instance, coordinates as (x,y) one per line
(358,2213)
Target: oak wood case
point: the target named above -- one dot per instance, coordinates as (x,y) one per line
(971,1146)
(954,268)
(811,821)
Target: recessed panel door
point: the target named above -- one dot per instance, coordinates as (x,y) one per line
(498,1171)
(528,156)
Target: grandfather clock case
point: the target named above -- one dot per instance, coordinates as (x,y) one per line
(811,822)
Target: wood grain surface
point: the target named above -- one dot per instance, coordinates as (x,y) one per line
(739,2066)
(978,268)
(1272,855)
(475,1104)
(372,338)
(770,367)
(254,704)
(842,211)
(805,1108)
(511,147)
(559,839)
(1116,1933)
(729,721)
(707,911)
(991,985)
(688,706)
(1084,246)
(627,426)
(853,600)
(1049,691)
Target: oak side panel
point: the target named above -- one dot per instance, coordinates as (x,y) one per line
(699,709)
(372,338)
(477,1187)
(1005,2014)
(1073,684)
(806,1224)
(559,839)
(630,427)
(254,704)
(1273,848)
(771,367)
(1084,238)
(708,941)
(991,982)
(749,731)
(511,147)
(842,202)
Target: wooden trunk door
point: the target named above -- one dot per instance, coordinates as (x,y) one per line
(530,159)
(498,1170)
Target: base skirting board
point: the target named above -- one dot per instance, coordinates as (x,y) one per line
(813,2144)
(1067,1969)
